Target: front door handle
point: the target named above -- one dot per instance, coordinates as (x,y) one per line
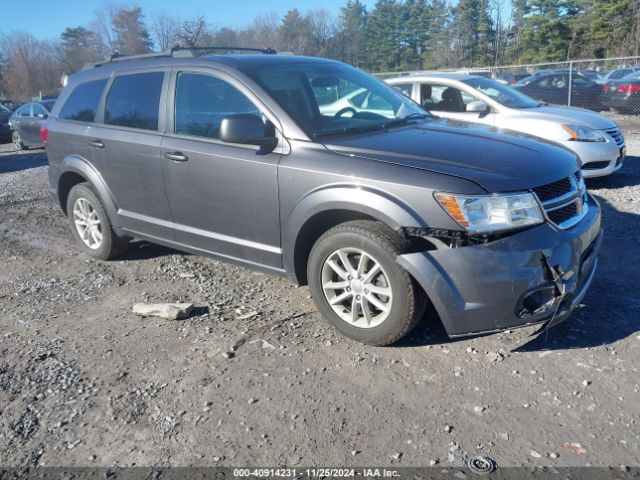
(96,143)
(176,156)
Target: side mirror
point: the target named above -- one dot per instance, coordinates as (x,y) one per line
(43,115)
(477,107)
(246,129)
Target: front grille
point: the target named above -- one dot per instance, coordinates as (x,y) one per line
(553,190)
(563,214)
(596,165)
(564,201)
(617,136)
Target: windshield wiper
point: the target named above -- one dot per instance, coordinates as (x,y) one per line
(348,130)
(404,120)
(370,128)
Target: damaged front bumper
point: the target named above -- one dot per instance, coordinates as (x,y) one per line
(537,276)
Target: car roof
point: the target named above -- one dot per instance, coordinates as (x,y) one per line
(236,61)
(429,76)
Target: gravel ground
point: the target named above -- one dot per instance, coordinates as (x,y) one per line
(83,381)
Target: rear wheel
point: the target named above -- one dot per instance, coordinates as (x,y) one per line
(358,286)
(17,141)
(91,226)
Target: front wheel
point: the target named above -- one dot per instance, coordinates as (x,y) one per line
(358,286)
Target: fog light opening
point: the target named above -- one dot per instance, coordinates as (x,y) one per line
(537,302)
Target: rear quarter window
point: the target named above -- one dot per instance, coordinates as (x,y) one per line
(134,101)
(83,102)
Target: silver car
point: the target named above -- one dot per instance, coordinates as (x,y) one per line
(597,140)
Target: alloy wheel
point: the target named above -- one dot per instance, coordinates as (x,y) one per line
(356,287)
(87,223)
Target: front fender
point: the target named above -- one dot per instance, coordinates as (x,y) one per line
(81,166)
(379,205)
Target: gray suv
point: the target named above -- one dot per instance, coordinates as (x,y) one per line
(380,207)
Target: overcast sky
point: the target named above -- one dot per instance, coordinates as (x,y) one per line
(47,19)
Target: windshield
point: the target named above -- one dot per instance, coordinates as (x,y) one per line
(593,76)
(333,98)
(502,94)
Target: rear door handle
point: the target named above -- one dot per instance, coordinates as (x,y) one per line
(176,156)
(96,143)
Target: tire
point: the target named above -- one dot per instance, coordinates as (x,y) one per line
(83,203)
(328,278)
(17,141)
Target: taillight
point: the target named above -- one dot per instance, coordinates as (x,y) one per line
(629,88)
(605,88)
(44,134)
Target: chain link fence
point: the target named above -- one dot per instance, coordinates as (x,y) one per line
(598,84)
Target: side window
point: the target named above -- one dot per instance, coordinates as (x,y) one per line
(24,111)
(134,101)
(447,99)
(83,101)
(544,82)
(370,101)
(376,102)
(203,101)
(580,81)
(466,98)
(359,99)
(553,81)
(404,88)
(39,111)
(429,94)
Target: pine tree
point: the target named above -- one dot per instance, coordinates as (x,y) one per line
(353,23)
(474,32)
(384,36)
(77,47)
(546,33)
(295,33)
(129,31)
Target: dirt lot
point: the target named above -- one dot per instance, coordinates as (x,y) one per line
(83,381)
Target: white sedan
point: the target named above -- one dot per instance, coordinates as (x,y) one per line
(597,140)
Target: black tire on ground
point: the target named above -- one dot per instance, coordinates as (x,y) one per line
(380,242)
(111,245)
(17,142)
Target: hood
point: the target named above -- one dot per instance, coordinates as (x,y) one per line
(497,161)
(568,115)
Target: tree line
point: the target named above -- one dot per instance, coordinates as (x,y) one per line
(390,36)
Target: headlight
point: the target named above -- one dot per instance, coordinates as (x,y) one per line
(584,134)
(491,213)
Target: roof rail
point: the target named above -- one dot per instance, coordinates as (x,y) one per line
(266,51)
(176,51)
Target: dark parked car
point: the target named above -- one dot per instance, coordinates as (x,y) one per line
(380,211)
(26,122)
(553,88)
(510,78)
(5,130)
(623,95)
(10,104)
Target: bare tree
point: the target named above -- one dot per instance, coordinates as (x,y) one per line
(263,31)
(191,32)
(164,29)
(30,65)
(322,26)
